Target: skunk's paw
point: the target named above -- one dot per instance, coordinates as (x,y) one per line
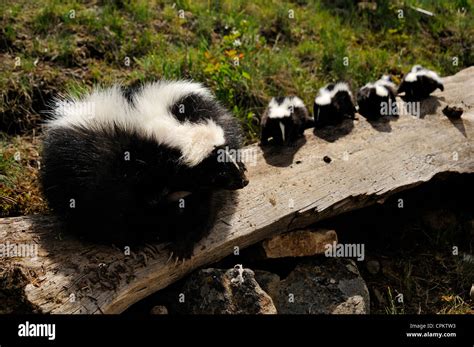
(179,252)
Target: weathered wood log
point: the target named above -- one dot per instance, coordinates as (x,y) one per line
(288,189)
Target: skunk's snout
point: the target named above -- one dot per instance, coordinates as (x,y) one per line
(232,177)
(243,182)
(236,180)
(227,171)
(238,185)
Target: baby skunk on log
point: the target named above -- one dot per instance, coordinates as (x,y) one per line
(284,121)
(378,99)
(333,103)
(419,83)
(127,167)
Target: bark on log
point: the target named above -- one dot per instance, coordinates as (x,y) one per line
(288,190)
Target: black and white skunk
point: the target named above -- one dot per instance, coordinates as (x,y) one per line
(284,120)
(129,167)
(377,99)
(333,103)
(419,83)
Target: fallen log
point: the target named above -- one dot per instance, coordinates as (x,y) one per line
(289,189)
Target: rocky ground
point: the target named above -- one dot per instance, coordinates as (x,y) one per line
(416,259)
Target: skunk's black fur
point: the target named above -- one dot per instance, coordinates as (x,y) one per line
(284,121)
(333,104)
(374,97)
(419,83)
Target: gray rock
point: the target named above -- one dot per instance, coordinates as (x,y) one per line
(216,291)
(322,286)
(267,280)
(354,305)
(471,293)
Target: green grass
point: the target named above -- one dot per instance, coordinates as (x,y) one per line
(395,304)
(19,164)
(444,291)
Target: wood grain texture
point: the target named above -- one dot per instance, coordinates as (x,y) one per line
(288,189)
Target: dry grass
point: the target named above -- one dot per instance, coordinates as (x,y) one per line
(19,168)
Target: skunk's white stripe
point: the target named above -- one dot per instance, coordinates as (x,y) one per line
(149,116)
(195,140)
(385,81)
(411,77)
(296,102)
(381,86)
(325,95)
(381,90)
(418,70)
(278,111)
(102,106)
(431,74)
(156,98)
(284,109)
(282,128)
(341,86)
